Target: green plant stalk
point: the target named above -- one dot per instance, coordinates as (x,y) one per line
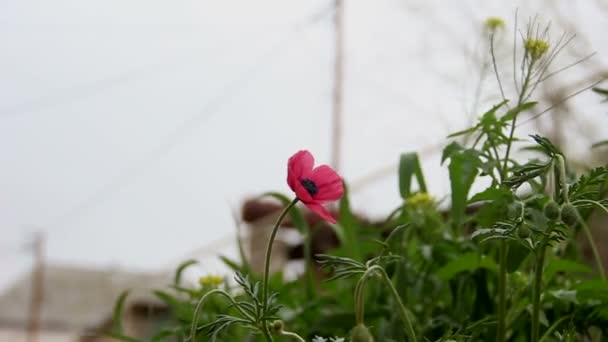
(524,88)
(538,282)
(554,326)
(359,300)
(273,235)
(293,335)
(561,167)
(266,332)
(596,254)
(402,311)
(202,301)
(502,254)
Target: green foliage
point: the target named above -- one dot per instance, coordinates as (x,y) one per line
(500,264)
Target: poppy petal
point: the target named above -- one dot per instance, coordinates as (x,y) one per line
(299,166)
(302,193)
(328,182)
(321,211)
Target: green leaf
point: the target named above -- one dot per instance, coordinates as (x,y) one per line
(526,173)
(588,185)
(350,228)
(466,262)
(561,265)
(449,150)
(463,132)
(463,170)
(409,167)
(118,309)
(180,269)
(592,290)
(546,145)
(565,295)
(599,144)
(232,264)
(492,194)
(512,114)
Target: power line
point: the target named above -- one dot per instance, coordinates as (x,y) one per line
(191,124)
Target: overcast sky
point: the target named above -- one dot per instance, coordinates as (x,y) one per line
(129,130)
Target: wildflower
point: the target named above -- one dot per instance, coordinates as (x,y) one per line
(213,280)
(494,23)
(420,199)
(536,47)
(314,186)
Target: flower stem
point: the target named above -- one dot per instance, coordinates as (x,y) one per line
(293,335)
(553,327)
(402,311)
(502,280)
(596,254)
(359,300)
(538,282)
(269,252)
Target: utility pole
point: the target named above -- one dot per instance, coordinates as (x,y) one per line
(336,146)
(37,290)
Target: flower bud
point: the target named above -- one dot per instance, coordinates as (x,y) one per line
(360,333)
(276,327)
(569,214)
(514,210)
(523,231)
(494,23)
(536,47)
(551,211)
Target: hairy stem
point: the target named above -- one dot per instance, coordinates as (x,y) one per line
(293,335)
(359,300)
(269,253)
(402,311)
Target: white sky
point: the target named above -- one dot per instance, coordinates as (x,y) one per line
(130,129)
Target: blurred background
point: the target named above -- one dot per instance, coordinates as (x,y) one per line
(131,132)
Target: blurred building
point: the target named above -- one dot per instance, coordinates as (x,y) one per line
(77,304)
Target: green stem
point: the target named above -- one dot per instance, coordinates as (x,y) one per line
(502,277)
(402,311)
(596,254)
(269,252)
(293,335)
(202,301)
(266,332)
(359,300)
(553,327)
(561,166)
(502,280)
(538,282)
(524,88)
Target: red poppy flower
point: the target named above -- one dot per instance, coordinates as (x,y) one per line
(314,186)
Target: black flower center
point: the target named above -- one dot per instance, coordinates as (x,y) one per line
(310,186)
